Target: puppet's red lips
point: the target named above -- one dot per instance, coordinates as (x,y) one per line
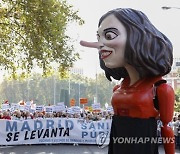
(105,53)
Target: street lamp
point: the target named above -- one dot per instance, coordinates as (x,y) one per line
(168,7)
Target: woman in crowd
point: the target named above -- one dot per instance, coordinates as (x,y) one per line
(132,49)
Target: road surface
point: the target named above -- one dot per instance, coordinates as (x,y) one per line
(58,149)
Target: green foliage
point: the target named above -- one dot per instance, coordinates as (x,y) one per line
(43,90)
(32,34)
(177,101)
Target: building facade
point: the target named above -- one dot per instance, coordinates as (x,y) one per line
(173,78)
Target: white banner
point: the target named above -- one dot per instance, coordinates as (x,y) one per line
(52,130)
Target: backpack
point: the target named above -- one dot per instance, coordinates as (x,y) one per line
(155,98)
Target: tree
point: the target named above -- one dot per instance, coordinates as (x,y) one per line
(177,101)
(105,89)
(32,34)
(46,90)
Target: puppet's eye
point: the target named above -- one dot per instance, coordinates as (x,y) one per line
(110,35)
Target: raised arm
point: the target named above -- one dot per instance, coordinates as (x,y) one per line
(165,95)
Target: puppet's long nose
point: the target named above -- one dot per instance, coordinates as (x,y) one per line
(90,44)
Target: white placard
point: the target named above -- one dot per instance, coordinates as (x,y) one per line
(5,107)
(109,108)
(59,108)
(27,108)
(70,110)
(49,109)
(21,107)
(14,106)
(60,103)
(76,109)
(40,108)
(96,106)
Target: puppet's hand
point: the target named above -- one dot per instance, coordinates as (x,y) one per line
(90,44)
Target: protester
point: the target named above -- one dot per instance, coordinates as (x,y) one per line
(176,129)
(6,115)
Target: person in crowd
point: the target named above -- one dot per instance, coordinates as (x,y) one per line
(64,114)
(40,115)
(19,115)
(99,117)
(176,128)
(49,115)
(108,117)
(59,114)
(76,115)
(13,115)
(28,115)
(175,125)
(88,117)
(68,115)
(6,115)
(35,115)
(23,114)
(1,115)
(131,48)
(104,114)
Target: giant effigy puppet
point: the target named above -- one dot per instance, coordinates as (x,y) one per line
(131,48)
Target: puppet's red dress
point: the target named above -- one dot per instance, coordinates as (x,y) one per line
(134,124)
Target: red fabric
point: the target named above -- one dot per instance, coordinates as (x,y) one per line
(6,117)
(135,100)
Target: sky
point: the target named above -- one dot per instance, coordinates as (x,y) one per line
(167,21)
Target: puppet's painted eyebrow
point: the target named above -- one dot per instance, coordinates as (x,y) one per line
(111,28)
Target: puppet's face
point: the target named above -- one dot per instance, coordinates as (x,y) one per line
(112,38)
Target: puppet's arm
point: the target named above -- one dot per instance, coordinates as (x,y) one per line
(165,95)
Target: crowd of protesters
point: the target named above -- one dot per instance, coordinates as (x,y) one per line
(25,115)
(83,115)
(87,116)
